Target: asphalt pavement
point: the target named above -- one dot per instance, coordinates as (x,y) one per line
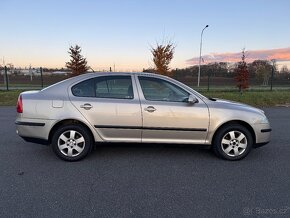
(133,180)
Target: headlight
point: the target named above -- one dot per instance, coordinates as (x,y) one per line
(262,120)
(263,112)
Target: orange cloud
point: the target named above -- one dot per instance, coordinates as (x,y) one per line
(281,54)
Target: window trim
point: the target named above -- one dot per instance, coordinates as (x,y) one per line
(104,76)
(171,83)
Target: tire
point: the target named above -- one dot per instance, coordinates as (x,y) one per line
(72,142)
(232,142)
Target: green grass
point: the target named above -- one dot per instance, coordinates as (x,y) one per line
(14,85)
(254,98)
(9,98)
(234,89)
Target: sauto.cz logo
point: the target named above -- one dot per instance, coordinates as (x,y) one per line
(265,211)
(247,211)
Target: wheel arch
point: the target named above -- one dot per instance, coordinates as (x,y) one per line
(239,122)
(66,122)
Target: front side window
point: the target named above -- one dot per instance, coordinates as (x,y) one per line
(155,89)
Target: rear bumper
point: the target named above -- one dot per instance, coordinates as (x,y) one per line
(34,130)
(36,140)
(21,123)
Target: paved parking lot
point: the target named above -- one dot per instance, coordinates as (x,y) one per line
(144,181)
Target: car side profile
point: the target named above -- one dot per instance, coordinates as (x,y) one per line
(74,114)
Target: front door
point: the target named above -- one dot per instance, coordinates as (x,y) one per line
(167,116)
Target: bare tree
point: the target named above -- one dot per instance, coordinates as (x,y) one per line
(284,69)
(162,56)
(77,63)
(262,69)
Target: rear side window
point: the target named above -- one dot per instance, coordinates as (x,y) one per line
(114,87)
(119,87)
(84,89)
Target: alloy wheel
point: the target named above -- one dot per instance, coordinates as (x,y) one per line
(234,143)
(71,143)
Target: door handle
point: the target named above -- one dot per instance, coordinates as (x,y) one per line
(86,106)
(150,109)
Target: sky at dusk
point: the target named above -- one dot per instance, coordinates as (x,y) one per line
(39,32)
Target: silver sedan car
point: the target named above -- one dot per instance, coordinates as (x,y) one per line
(136,107)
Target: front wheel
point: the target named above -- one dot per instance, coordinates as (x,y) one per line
(72,142)
(233,142)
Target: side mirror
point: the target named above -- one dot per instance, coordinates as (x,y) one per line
(192,99)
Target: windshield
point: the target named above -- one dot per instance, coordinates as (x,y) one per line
(191,90)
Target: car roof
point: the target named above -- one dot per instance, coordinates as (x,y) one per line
(84,76)
(120,73)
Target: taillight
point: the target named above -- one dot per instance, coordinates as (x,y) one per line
(19,106)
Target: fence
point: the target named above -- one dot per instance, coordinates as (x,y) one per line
(214,83)
(38,78)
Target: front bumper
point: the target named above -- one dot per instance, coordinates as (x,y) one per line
(257,145)
(263,134)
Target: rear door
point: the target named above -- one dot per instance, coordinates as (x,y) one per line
(167,117)
(111,104)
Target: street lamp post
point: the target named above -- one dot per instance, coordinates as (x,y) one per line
(198,79)
(272,74)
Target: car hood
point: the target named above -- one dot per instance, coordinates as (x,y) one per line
(235,105)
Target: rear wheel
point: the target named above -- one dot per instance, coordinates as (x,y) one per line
(72,142)
(233,142)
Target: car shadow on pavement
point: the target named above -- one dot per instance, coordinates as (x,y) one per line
(161,150)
